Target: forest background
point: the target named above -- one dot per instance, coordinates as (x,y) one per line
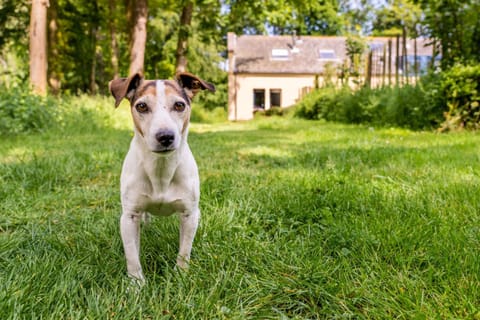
(87,43)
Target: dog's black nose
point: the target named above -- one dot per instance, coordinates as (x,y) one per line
(165,137)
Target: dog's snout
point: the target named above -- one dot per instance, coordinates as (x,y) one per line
(165,137)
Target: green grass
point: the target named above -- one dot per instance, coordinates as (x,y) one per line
(300,220)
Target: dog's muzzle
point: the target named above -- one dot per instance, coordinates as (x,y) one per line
(166,139)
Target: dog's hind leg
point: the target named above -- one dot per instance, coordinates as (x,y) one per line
(188,227)
(130,231)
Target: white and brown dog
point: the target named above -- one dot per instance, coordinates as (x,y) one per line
(159,174)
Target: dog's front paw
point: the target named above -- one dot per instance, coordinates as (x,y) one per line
(136,277)
(133,287)
(182,263)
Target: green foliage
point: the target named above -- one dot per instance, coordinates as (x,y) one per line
(14,19)
(272,112)
(318,104)
(202,115)
(460,88)
(284,17)
(22,112)
(355,47)
(456,26)
(410,106)
(394,16)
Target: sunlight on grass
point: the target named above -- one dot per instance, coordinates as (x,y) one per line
(121,116)
(15,154)
(300,220)
(264,151)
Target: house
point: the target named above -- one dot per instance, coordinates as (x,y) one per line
(277,71)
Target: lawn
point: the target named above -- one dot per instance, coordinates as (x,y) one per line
(300,220)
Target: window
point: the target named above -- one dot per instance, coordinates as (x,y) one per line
(279,54)
(423,63)
(258,99)
(275,98)
(327,55)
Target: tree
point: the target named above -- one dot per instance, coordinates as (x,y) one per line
(138,12)
(113,38)
(38,46)
(317,17)
(183,34)
(358,16)
(456,26)
(391,19)
(53,53)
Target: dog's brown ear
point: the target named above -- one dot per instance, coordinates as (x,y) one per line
(125,87)
(193,84)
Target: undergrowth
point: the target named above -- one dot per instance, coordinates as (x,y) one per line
(446,101)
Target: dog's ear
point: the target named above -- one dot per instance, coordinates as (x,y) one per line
(193,84)
(125,87)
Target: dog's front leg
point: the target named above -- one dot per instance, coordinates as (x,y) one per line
(130,231)
(188,228)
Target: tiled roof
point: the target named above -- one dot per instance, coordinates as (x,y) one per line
(281,54)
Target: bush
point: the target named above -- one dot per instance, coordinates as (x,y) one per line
(449,100)
(319,104)
(411,106)
(201,115)
(23,112)
(273,111)
(460,87)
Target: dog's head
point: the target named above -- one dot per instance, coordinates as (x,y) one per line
(160,108)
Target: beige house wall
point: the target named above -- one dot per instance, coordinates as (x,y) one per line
(292,88)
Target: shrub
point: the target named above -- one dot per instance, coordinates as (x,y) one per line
(23,112)
(273,111)
(201,115)
(413,106)
(460,87)
(318,104)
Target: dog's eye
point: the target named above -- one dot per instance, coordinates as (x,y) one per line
(141,107)
(179,106)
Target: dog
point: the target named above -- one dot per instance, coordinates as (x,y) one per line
(159,174)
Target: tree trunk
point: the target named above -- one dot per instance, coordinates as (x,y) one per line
(93,70)
(53,55)
(138,38)
(38,46)
(113,37)
(183,34)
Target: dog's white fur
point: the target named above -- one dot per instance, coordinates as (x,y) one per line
(159,174)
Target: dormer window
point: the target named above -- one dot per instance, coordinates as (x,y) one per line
(327,55)
(279,54)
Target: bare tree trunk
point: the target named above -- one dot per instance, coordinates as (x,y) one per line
(138,36)
(368,78)
(384,65)
(38,46)
(53,72)
(389,62)
(405,55)
(113,36)
(183,34)
(93,70)
(397,61)
(415,64)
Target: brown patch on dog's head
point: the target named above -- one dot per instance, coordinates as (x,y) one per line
(193,84)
